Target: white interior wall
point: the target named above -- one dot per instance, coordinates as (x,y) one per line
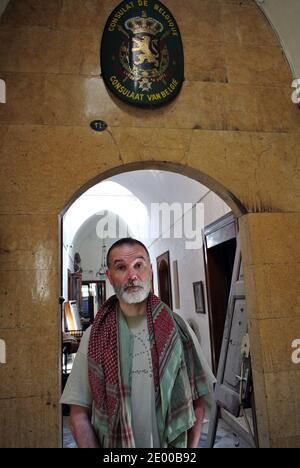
(89,246)
(147,187)
(190,270)
(107,196)
(81,220)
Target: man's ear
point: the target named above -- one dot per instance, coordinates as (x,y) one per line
(108,276)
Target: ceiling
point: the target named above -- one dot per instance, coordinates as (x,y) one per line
(131,196)
(161,186)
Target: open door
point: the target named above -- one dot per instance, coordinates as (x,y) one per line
(219,254)
(227,393)
(234,390)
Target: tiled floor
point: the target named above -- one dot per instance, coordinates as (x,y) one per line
(225,437)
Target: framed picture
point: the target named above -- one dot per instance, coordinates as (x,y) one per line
(176,284)
(164,278)
(72,317)
(199,297)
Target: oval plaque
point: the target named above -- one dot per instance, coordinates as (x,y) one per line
(98,125)
(141,54)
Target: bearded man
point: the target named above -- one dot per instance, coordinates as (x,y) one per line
(137,380)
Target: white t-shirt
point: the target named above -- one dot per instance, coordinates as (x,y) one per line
(144,422)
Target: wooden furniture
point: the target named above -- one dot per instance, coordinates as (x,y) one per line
(164,279)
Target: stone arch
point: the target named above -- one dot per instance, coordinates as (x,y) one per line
(170,166)
(195,174)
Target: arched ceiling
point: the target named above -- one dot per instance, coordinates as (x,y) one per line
(130,196)
(161,186)
(92,205)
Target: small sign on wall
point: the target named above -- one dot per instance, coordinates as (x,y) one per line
(142,54)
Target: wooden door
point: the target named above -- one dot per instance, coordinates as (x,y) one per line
(234,388)
(227,392)
(74,284)
(219,254)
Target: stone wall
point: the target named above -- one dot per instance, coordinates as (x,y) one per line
(233,127)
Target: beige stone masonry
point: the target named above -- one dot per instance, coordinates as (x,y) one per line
(233,128)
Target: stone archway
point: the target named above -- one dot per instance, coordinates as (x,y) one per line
(235,205)
(172,166)
(252,226)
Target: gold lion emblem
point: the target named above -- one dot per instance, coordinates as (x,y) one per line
(142,54)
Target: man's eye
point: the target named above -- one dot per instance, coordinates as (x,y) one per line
(139,265)
(121,267)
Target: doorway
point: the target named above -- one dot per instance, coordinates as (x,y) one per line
(219,254)
(93,295)
(190,265)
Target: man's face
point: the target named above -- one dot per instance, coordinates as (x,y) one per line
(130,273)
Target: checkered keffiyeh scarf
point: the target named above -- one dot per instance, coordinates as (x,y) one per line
(178,376)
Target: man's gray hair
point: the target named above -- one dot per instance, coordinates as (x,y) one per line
(126,241)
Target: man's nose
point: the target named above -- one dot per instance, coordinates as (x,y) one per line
(132,274)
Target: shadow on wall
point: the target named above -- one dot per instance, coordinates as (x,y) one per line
(192,323)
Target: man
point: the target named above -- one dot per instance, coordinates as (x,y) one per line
(137,371)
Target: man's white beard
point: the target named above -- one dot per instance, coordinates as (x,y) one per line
(134,297)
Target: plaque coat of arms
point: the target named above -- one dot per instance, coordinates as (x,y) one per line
(142,54)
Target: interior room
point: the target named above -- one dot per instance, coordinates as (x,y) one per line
(126,203)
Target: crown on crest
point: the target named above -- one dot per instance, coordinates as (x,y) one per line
(144,25)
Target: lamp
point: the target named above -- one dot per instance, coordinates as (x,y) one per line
(103,265)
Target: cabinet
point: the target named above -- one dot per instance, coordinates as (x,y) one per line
(74,288)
